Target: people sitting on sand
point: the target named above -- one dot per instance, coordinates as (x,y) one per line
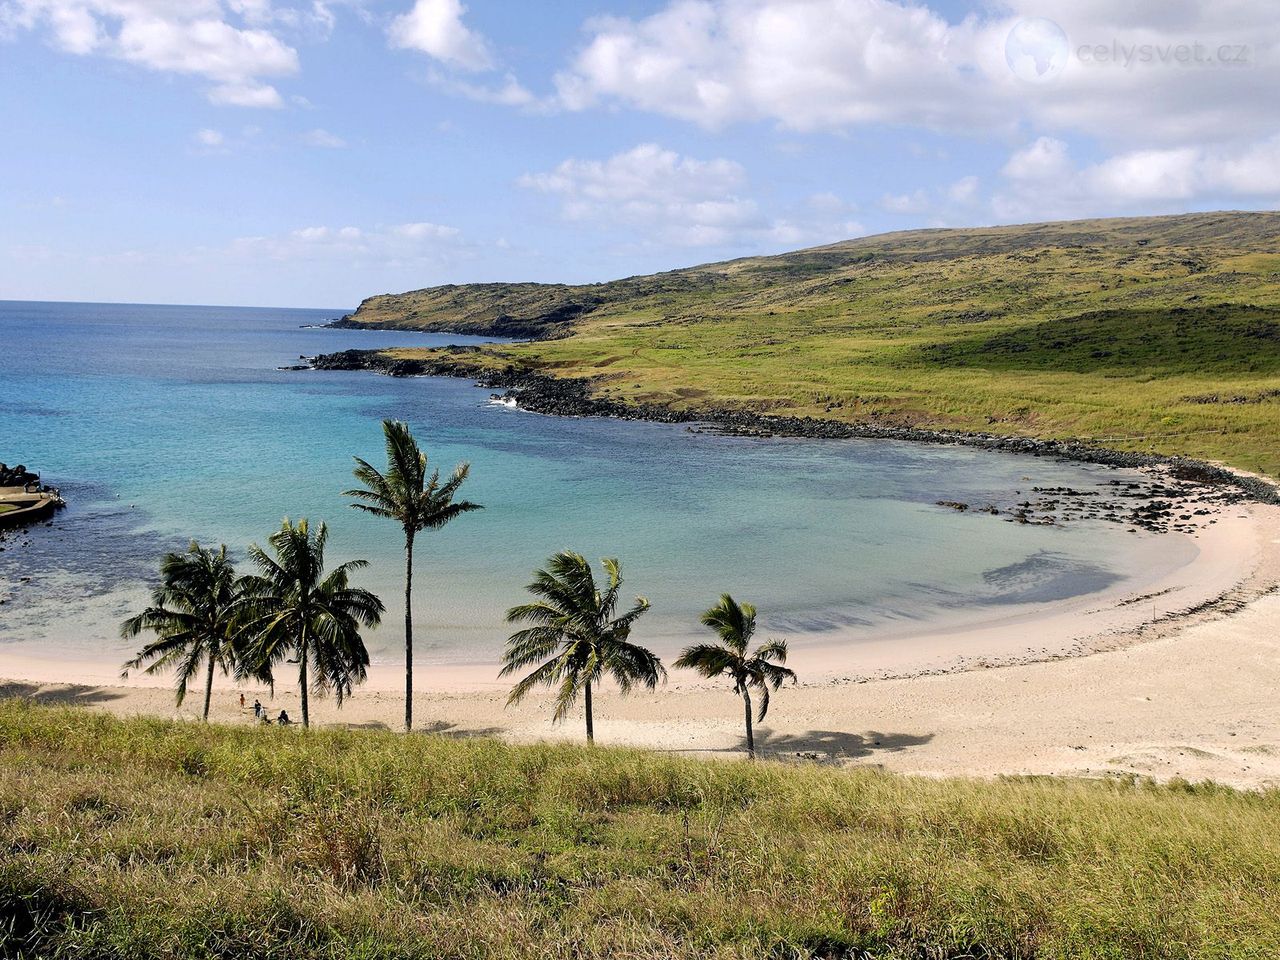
(283,719)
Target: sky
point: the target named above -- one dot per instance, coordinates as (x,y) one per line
(315,152)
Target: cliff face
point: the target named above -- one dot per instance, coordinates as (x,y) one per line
(522,311)
(821,276)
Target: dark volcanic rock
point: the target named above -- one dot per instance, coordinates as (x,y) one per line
(573,398)
(551,325)
(18,476)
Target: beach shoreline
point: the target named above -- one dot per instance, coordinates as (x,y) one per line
(1202,642)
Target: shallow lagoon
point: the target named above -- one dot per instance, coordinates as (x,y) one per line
(164,423)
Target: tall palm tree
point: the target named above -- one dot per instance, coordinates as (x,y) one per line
(576,636)
(292,610)
(191,613)
(417,502)
(736,623)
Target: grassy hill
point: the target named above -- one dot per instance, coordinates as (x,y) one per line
(140,838)
(1157,334)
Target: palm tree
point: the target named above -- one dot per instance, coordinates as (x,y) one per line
(576,636)
(191,613)
(405,494)
(292,610)
(735,623)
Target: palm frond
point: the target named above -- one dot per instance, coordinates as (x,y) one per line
(764,703)
(774,675)
(772,650)
(708,659)
(529,646)
(544,675)
(734,622)
(567,695)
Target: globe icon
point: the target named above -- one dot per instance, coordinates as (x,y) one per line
(1036,50)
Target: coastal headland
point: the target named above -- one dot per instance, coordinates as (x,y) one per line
(1150,335)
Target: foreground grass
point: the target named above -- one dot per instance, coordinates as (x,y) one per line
(1158,334)
(143,838)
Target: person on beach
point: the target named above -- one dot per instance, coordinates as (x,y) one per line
(283,719)
(257,709)
(242,701)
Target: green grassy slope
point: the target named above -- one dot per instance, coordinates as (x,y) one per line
(1154,334)
(142,838)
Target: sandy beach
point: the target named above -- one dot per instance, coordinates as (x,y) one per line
(1175,679)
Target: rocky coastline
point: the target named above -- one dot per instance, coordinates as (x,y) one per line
(564,397)
(24,499)
(549,326)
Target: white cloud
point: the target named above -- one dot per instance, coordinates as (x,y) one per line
(1042,179)
(806,64)
(396,245)
(1044,159)
(1149,175)
(639,174)
(915,202)
(435,28)
(956,202)
(246,95)
(1141,92)
(425,231)
(964,190)
(323,138)
(674,199)
(210,138)
(837,64)
(192,37)
(1254,171)
(685,201)
(509,93)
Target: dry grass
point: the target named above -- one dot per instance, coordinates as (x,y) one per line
(143,838)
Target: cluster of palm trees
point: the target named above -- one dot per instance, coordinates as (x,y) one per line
(207,618)
(576,639)
(291,610)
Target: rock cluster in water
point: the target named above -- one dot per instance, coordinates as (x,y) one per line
(573,398)
(18,476)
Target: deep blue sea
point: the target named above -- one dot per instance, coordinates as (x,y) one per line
(166,423)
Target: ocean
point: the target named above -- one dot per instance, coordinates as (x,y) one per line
(161,424)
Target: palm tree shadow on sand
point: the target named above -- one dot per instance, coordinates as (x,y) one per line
(437,728)
(443,728)
(57,694)
(831,746)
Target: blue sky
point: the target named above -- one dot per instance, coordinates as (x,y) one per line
(313,152)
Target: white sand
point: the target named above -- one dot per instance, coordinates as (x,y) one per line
(1128,681)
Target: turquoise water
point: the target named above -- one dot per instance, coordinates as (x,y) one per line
(164,423)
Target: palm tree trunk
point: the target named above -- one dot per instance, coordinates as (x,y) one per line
(408,631)
(591,733)
(751,740)
(208,688)
(302,682)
